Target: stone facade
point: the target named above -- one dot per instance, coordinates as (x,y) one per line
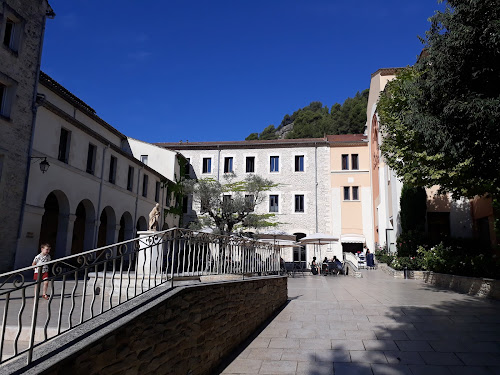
(190,330)
(20,54)
(313,182)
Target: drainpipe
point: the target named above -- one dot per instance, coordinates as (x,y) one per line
(316,182)
(162,216)
(97,219)
(137,196)
(218,162)
(34,107)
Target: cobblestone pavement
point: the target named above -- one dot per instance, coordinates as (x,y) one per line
(375,325)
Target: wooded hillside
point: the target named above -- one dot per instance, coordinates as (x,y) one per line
(316,120)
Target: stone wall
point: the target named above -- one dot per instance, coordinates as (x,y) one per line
(18,73)
(473,286)
(410,274)
(188,330)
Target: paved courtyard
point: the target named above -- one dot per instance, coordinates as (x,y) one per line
(375,325)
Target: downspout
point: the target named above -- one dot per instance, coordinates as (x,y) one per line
(49,14)
(137,196)
(218,162)
(316,182)
(162,216)
(98,217)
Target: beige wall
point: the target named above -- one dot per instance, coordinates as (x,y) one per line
(354,216)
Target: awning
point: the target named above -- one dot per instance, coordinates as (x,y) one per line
(352,238)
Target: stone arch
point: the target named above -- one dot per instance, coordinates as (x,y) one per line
(54,225)
(107,227)
(142,224)
(126,231)
(83,228)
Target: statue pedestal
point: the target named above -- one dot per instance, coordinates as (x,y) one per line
(150,257)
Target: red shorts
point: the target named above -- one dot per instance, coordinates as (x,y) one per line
(45,276)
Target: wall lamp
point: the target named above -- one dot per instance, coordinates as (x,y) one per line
(44,164)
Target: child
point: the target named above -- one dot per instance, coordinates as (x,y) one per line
(41,258)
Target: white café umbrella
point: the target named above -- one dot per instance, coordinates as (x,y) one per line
(275,234)
(318,239)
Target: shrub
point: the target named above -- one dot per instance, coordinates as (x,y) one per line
(410,263)
(409,242)
(383,257)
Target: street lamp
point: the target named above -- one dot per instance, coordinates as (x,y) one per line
(44,164)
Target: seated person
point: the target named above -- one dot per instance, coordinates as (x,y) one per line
(314,266)
(338,263)
(324,266)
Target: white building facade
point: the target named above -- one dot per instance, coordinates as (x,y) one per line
(95,192)
(301,202)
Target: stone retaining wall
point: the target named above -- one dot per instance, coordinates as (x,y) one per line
(417,275)
(473,286)
(188,330)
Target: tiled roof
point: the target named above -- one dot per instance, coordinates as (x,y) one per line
(63,92)
(328,140)
(242,144)
(346,138)
(386,72)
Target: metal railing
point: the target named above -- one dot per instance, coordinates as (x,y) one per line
(85,285)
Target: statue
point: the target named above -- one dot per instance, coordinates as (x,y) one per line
(154,215)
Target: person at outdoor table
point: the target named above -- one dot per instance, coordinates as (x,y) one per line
(338,263)
(314,266)
(324,266)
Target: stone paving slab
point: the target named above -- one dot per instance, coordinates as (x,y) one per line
(375,325)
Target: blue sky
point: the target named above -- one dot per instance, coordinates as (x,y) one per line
(164,71)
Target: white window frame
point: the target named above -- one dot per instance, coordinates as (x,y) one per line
(294,208)
(279,162)
(212,167)
(254,163)
(233,165)
(280,202)
(303,154)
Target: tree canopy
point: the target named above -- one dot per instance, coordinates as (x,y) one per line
(316,120)
(225,206)
(440,118)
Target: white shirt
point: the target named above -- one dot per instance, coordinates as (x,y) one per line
(40,259)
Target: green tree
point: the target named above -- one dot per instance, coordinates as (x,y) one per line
(224,206)
(268,133)
(252,137)
(440,118)
(315,120)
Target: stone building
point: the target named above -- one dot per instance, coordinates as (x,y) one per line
(22,24)
(96,192)
(301,167)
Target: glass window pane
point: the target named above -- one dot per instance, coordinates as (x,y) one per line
(355,196)
(346,193)
(354,160)
(345,162)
